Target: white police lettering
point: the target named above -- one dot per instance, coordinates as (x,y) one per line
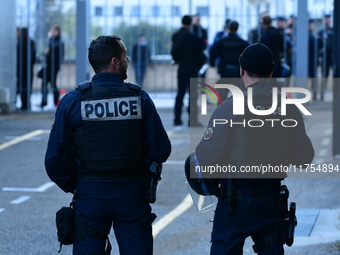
(111,109)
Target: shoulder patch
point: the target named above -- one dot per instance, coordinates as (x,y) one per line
(208,133)
(53,123)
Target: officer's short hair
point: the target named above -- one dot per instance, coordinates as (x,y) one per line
(233,26)
(267,20)
(102,50)
(186,20)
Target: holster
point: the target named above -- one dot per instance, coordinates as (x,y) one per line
(81,230)
(283,231)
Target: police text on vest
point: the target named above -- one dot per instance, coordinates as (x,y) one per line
(112,109)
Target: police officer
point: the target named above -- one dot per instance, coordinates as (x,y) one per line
(104,133)
(249,206)
(272,38)
(220,34)
(228,49)
(189,63)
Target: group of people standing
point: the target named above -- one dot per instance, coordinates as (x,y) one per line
(228,45)
(280,40)
(26,58)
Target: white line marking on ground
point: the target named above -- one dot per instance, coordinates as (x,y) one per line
(36,138)
(2,209)
(20,200)
(323,152)
(171,216)
(42,188)
(325,141)
(23,138)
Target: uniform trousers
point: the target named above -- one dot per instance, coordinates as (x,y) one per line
(120,204)
(250,217)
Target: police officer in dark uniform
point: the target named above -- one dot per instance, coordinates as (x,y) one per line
(228,49)
(272,38)
(249,206)
(105,134)
(189,63)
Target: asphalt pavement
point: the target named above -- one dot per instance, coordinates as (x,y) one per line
(28,201)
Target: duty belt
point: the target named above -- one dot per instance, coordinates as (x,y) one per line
(258,194)
(124,173)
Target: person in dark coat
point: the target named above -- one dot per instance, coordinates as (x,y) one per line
(54,56)
(228,50)
(272,38)
(141,58)
(189,63)
(202,33)
(325,46)
(26,56)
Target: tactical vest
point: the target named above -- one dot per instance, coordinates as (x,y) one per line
(256,145)
(232,48)
(110,137)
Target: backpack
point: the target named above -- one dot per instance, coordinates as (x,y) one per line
(177,48)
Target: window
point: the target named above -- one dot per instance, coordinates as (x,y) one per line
(98,11)
(203,10)
(155,11)
(118,11)
(175,11)
(135,11)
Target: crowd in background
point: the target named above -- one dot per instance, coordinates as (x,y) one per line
(276,33)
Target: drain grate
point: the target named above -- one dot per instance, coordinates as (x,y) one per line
(306,220)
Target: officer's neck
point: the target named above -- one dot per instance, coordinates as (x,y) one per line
(247,81)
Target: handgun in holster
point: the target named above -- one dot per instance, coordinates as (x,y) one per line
(153,176)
